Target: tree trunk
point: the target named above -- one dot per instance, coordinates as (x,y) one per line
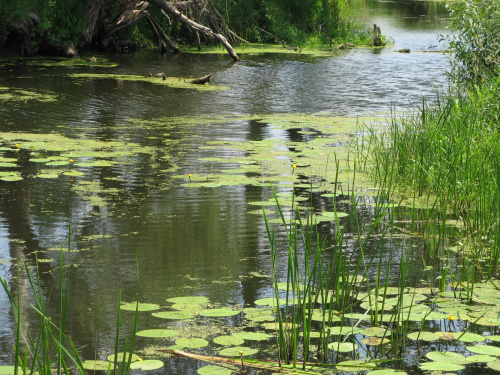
(174,11)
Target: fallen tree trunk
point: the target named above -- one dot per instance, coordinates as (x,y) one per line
(173,10)
(238,365)
(163,41)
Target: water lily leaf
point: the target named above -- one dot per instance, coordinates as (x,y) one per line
(441,366)
(375,331)
(253,336)
(484,349)
(235,351)
(228,340)
(271,301)
(480,358)
(97,163)
(424,336)
(256,311)
(375,340)
(39,160)
(219,312)
(447,336)
(149,364)
(342,347)
(142,306)
(275,326)
(213,370)
(119,357)
(8,165)
(468,337)
(333,214)
(344,330)
(48,175)
(188,307)
(198,300)
(157,333)
(494,365)
(387,372)
(495,338)
(449,357)
(261,318)
(97,365)
(58,163)
(191,343)
(355,365)
(7,370)
(175,315)
(11,178)
(73,173)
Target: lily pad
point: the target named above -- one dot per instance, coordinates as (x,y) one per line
(344,330)
(484,349)
(213,370)
(157,333)
(375,340)
(198,300)
(480,358)
(228,340)
(142,306)
(11,178)
(149,364)
(235,351)
(355,365)
(468,337)
(441,366)
(253,336)
(193,343)
(342,347)
(271,301)
(73,173)
(423,336)
(97,365)
(119,357)
(494,365)
(219,312)
(7,370)
(448,357)
(387,372)
(174,315)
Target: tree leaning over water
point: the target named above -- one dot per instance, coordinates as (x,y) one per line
(62,27)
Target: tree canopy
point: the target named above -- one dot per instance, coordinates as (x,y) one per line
(50,26)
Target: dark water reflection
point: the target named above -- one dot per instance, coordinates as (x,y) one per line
(200,241)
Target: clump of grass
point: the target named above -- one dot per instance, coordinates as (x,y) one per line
(38,352)
(450,151)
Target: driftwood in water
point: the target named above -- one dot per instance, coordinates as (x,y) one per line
(404,50)
(202,80)
(376,37)
(238,365)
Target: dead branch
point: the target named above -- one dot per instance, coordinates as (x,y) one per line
(174,11)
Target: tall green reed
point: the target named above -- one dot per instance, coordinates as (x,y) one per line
(37,352)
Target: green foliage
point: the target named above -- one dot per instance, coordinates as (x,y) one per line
(62,20)
(475,39)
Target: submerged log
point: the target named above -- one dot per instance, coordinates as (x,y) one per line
(202,80)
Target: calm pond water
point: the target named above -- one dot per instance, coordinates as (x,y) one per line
(201,241)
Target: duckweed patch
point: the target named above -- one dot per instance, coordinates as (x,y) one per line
(13,95)
(172,82)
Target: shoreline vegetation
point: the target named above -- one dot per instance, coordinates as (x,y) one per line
(69,28)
